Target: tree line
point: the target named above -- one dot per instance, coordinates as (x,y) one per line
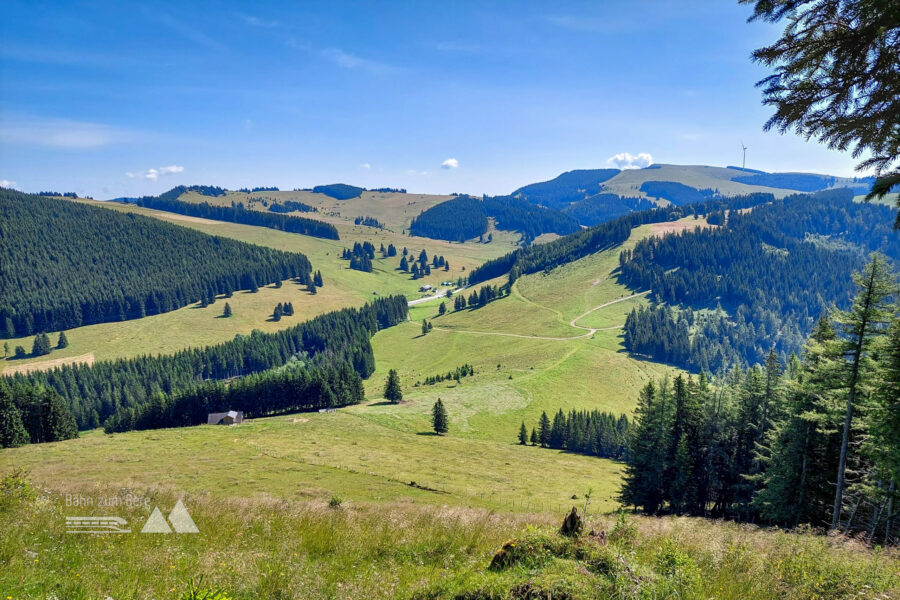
(293,387)
(593,433)
(105,265)
(368,222)
(289,206)
(456,375)
(815,441)
(94,392)
(464,217)
(236,213)
(532,259)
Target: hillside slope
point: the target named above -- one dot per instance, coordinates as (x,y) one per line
(68,265)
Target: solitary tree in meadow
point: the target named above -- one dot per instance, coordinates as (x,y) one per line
(439,417)
(392,391)
(523,434)
(227,311)
(63,341)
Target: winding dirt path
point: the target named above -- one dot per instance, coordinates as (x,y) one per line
(590,330)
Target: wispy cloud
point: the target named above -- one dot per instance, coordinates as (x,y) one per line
(154,174)
(7,183)
(594,24)
(366,166)
(62,133)
(343,59)
(189,32)
(255,21)
(346,60)
(626,160)
(450,163)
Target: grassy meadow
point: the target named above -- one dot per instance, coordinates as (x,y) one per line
(365,502)
(272,548)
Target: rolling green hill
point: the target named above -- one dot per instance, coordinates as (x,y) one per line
(594,196)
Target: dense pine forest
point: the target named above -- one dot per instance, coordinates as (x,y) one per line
(816,443)
(68,264)
(532,259)
(759,282)
(603,207)
(293,387)
(339,191)
(329,343)
(456,220)
(236,213)
(676,193)
(463,218)
(569,187)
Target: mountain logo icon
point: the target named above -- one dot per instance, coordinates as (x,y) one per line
(179,518)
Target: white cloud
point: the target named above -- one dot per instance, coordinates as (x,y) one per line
(450,163)
(257,22)
(7,183)
(345,60)
(366,166)
(626,160)
(154,174)
(61,133)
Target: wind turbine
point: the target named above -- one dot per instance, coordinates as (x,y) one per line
(744,161)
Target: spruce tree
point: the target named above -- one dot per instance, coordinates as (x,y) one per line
(424,326)
(534,437)
(544,430)
(643,485)
(392,391)
(439,418)
(226,312)
(62,341)
(865,321)
(523,434)
(278,312)
(311,288)
(317,279)
(442,308)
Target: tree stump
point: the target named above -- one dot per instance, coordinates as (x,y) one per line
(572,524)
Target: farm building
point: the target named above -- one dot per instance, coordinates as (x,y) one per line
(425,288)
(232,417)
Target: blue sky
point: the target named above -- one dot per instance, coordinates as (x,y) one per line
(119,98)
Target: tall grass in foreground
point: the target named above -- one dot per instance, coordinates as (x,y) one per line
(267,548)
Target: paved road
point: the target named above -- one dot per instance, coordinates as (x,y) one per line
(443,295)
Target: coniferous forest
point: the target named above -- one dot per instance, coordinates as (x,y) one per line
(757,283)
(464,217)
(815,440)
(236,213)
(68,264)
(329,344)
(532,259)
